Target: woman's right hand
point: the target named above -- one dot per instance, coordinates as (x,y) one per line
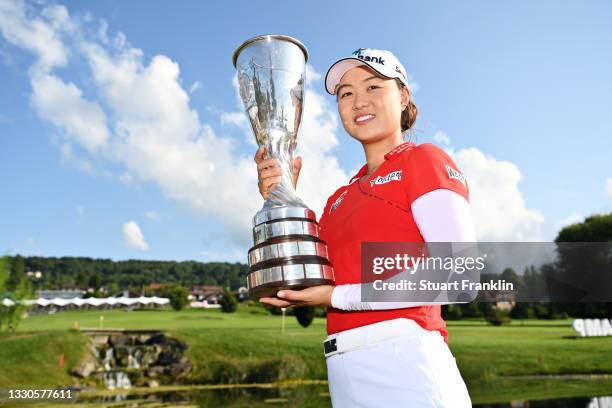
(269,172)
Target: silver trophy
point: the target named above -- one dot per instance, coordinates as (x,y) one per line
(287,251)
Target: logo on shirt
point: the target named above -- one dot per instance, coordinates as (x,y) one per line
(454,174)
(393,176)
(337,202)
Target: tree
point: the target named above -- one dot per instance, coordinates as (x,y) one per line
(94,281)
(178,295)
(10,315)
(80,279)
(228,301)
(112,289)
(16,273)
(583,269)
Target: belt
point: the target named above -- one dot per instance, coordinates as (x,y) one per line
(360,337)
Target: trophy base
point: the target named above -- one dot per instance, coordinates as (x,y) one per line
(288,253)
(270,289)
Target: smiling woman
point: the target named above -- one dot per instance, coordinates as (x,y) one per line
(383,353)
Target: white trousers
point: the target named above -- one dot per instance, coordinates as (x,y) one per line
(415,370)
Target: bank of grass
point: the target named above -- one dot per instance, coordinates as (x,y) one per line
(505,390)
(31,360)
(255,355)
(248,346)
(536,347)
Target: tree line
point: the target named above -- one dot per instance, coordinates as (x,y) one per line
(116,276)
(85,272)
(582,269)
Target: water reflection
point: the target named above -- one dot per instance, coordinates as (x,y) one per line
(308,396)
(579,402)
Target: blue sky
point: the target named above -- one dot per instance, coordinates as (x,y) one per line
(121,133)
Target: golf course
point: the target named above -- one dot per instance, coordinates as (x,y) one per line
(524,360)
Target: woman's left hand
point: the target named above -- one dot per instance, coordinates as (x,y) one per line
(319,295)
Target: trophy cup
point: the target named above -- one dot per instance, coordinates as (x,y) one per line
(287,251)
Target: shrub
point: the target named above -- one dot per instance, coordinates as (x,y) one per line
(228,301)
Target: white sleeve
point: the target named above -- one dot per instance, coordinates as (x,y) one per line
(442,216)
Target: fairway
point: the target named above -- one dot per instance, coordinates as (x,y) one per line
(250,346)
(247,318)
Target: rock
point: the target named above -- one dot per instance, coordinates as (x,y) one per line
(119,340)
(85,369)
(168,357)
(158,338)
(100,340)
(121,352)
(143,338)
(155,371)
(160,358)
(178,369)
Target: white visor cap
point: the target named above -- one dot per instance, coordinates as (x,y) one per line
(381,61)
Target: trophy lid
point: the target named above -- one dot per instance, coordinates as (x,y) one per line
(269,37)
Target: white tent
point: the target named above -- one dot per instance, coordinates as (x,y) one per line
(7,302)
(95,302)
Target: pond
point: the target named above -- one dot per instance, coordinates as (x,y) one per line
(557,394)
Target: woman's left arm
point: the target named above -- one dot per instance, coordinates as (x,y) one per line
(441,215)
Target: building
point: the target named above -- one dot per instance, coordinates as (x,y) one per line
(208,293)
(62,294)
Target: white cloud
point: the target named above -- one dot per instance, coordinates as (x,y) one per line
(321,173)
(194,87)
(133,237)
(441,138)
(126,178)
(500,212)
(312,75)
(609,187)
(238,119)
(68,157)
(569,220)
(141,119)
(152,215)
(103,31)
(80,211)
(62,104)
(161,139)
(54,100)
(39,34)
(412,84)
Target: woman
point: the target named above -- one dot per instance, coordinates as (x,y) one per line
(389,354)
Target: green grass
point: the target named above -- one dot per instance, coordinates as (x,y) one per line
(248,346)
(246,318)
(485,352)
(32,359)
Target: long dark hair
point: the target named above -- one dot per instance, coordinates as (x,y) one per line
(409,114)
